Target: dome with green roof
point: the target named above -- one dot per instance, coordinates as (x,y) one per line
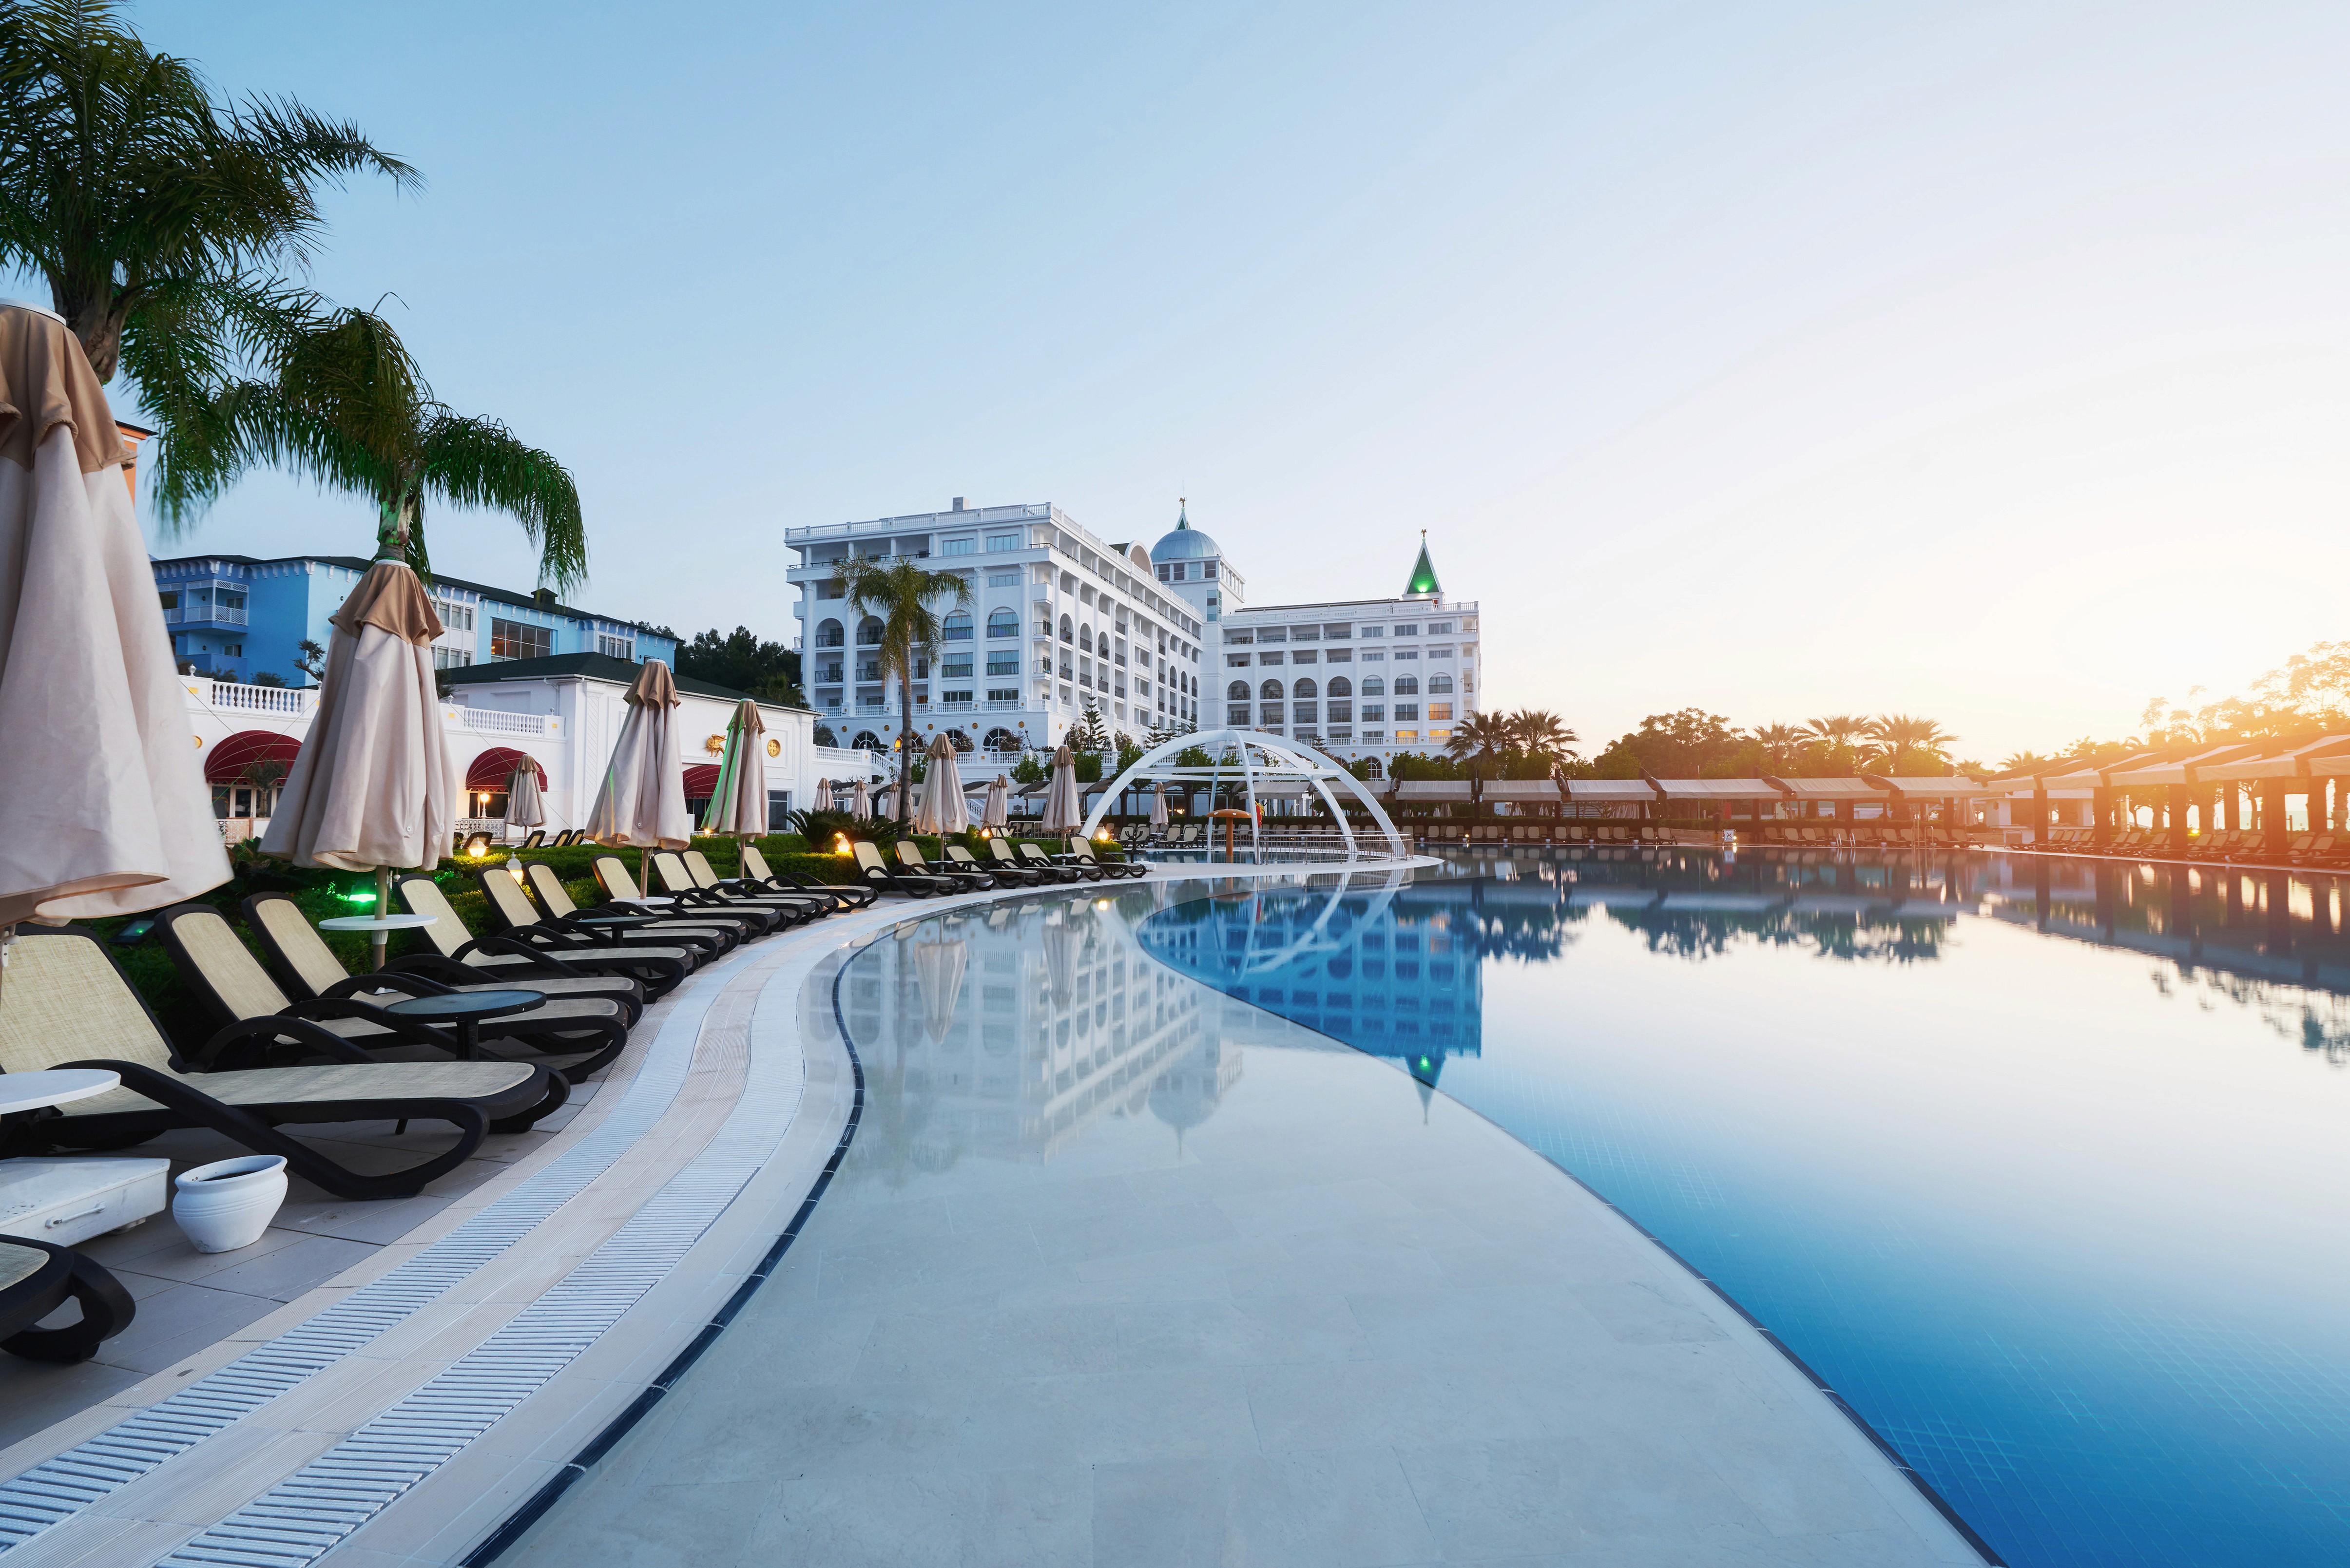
(1183,542)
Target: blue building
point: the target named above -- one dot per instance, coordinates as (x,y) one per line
(233,618)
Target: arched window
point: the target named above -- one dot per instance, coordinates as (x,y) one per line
(1341,687)
(1003,623)
(961,742)
(1270,691)
(1068,630)
(1371,769)
(1238,692)
(1374,686)
(956,627)
(869,632)
(1303,687)
(1084,640)
(830,634)
(1439,685)
(1002,740)
(867,740)
(1406,686)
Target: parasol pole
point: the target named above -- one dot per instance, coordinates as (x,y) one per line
(376,939)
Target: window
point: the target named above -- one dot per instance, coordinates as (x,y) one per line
(1406,712)
(1274,634)
(170,601)
(1341,687)
(1406,685)
(1440,710)
(1268,658)
(1371,657)
(1406,734)
(455,616)
(1374,686)
(1306,656)
(1438,685)
(1003,623)
(1407,630)
(1004,541)
(828,671)
(828,634)
(1374,713)
(1341,710)
(1303,688)
(1375,631)
(451,657)
(1004,579)
(616,647)
(1237,691)
(1002,662)
(1002,694)
(1237,714)
(1084,640)
(962,546)
(1235,636)
(1304,633)
(828,590)
(1305,714)
(518,639)
(1236,660)
(1338,656)
(1439,654)
(1268,713)
(1208,570)
(956,627)
(1404,655)
(1337,633)
(869,632)
(1068,630)
(957,699)
(955,667)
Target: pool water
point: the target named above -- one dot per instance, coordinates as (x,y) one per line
(2040,1164)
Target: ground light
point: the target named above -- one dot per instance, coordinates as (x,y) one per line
(514,867)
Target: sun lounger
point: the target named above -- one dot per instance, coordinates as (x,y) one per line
(69,1006)
(1006,876)
(889,879)
(256,1019)
(35,1279)
(520,953)
(307,969)
(844,894)
(537,837)
(1001,858)
(691,876)
(810,905)
(553,930)
(1082,853)
(1030,855)
(975,876)
(621,892)
(676,882)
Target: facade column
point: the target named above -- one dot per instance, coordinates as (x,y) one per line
(2039,814)
(2273,831)
(2177,793)
(2101,817)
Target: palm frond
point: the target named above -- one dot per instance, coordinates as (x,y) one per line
(480,462)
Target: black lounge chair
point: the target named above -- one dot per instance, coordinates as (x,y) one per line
(620,891)
(553,926)
(692,877)
(537,837)
(1001,858)
(1006,875)
(230,983)
(912,884)
(301,963)
(35,1279)
(69,1006)
(975,877)
(813,906)
(518,956)
(1082,852)
(756,875)
(1091,871)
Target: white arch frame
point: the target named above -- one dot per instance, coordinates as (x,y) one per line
(1277,761)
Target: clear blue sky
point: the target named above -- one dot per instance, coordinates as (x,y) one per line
(1990,362)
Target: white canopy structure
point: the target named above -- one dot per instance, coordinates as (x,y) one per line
(1260,763)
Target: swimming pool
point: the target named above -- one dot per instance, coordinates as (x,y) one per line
(2038,1163)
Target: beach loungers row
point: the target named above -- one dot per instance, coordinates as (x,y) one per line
(2326,851)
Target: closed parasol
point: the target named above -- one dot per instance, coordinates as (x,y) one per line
(642,800)
(107,809)
(1061,812)
(996,810)
(940,809)
(738,802)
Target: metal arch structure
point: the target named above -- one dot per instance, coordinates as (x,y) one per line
(1261,758)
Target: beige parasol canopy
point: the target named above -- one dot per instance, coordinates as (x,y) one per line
(105,808)
(373,786)
(940,808)
(939,965)
(823,794)
(996,810)
(860,800)
(643,801)
(1062,811)
(523,805)
(738,806)
(1158,804)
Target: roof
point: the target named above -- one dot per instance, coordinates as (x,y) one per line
(1423,584)
(1609,789)
(591,667)
(1521,789)
(1432,789)
(1712,789)
(1827,789)
(2293,762)
(1184,542)
(439,580)
(1936,786)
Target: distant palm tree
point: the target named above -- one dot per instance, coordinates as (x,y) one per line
(1476,737)
(347,409)
(1898,734)
(1539,733)
(162,217)
(2025,762)
(1778,740)
(1839,730)
(902,594)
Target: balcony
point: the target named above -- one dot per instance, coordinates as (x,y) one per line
(289,701)
(500,722)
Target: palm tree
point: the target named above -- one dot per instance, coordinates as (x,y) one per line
(900,593)
(1899,735)
(347,409)
(1539,733)
(1777,740)
(160,216)
(1838,731)
(2025,762)
(1476,737)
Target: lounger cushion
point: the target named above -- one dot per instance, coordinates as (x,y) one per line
(18,1264)
(266,1089)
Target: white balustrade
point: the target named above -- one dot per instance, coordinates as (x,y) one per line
(501,721)
(292,701)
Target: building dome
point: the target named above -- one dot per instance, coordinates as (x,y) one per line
(1185,543)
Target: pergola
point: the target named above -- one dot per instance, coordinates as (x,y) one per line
(1261,764)
(2212,775)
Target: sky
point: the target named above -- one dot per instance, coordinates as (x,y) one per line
(1990,363)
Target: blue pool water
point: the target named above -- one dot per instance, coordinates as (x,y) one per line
(2041,1164)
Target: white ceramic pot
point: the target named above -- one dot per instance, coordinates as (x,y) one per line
(228,1205)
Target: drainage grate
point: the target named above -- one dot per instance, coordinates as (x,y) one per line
(56,1489)
(306,1515)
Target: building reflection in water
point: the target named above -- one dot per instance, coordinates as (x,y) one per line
(1005,1032)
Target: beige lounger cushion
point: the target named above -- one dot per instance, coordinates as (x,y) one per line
(18,1264)
(255,1087)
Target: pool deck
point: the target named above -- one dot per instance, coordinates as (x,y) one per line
(1337,1325)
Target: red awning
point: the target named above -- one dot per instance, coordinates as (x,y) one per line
(701,781)
(493,768)
(226,762)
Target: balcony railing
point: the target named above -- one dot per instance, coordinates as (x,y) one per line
(292,701)
(222,615)
(499,721)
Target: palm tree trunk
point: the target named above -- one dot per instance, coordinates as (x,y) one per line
(905,746)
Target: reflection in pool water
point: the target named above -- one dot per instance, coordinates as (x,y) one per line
(2037,1162)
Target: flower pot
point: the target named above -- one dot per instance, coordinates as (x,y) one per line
(228,1204)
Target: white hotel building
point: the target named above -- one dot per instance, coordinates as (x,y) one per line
(1058,616)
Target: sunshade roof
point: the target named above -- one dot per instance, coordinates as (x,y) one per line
(1829,789)
(2302,762)
(1609,789)
(1937,788)
(1432,789)
(1521,789)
